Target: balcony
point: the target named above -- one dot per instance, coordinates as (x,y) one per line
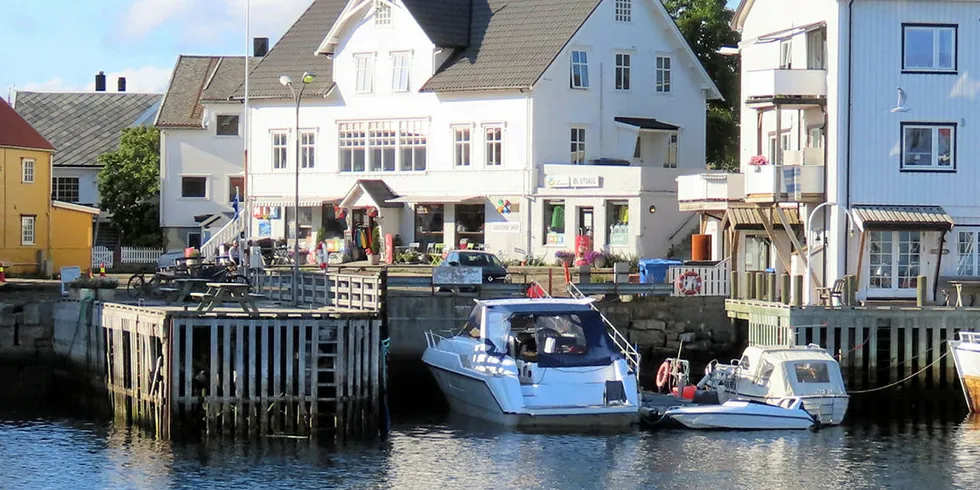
(806,156)
(709,192)
(786,87)
(784,183)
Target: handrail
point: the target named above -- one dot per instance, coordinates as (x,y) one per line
(970,337)
(224,235)
(631,354)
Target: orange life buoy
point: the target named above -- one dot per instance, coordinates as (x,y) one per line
(663,374)
(689,283)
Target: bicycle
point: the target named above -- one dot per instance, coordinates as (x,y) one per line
(138,286)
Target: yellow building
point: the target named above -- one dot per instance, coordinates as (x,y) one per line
(37,236)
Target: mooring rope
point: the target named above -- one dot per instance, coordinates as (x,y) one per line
(890,385)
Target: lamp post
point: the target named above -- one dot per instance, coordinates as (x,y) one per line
(809,248)
(288,82)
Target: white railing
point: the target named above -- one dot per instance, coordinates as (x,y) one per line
(140,255)
(102,255)
(318,289)
(768,83)
(630,352)
(970,337)
(715,186)
(227,233)
(771,181)
(713,280)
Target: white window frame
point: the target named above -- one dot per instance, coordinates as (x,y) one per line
(364,73)
(462,146)
(623,62)
(624,10)
(577,138)
(58,180)
(934,164)
(207,186)
(382,13)
(670,160)
(217,127)
(663,65)
(28,166)
(401,71)
(28,230)
(967,252)
(935,30)
(280,149)
(307,149)
(578,59)
(786,54)
(408,138)
(893,275)
(493,145)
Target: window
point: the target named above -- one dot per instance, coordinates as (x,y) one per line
(815,137)
(756,253)
(811,372)
(618,222)
(307,148)
(196,187)
(470,220)
(279,149)
(554,222)
(494,139)
(194,239)
(65,189)
(382,13)
(928,146)
(382,146)
(893,259)
(461,147)
(401,64)
(671,160)
(226,125)
(580,69)
(663,74)
(765,372)
(236,185)
(27,170)
(929,48)
(622,71)
(364,68)
(966,251)
(429,224)
(786,54)
(27,230)
(578,145)
(624,10)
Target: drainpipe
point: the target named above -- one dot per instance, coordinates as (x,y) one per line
(850,99)
(529,170)
(939,265)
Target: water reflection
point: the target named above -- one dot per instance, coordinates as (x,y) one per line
(461,453)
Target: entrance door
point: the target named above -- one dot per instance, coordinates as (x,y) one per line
(893,263)
(586,222)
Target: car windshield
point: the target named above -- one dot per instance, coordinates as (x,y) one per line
(479,260)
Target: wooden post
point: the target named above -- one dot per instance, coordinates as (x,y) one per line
(797,290)
(851,290)
(760,286)
(290,398)
(733,284)
(226,419)
(749,285)
(771,288)
(784,291)
(920,291)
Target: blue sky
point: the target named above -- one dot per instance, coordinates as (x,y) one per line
(59,45)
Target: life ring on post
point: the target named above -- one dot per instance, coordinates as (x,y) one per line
(663,374)
(689,283)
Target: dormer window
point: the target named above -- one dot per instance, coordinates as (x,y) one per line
(227,125)
(624,10)
(382,13)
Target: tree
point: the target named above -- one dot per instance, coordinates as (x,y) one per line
(705,25)
(129,185)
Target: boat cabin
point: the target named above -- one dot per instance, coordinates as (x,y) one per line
(783,372)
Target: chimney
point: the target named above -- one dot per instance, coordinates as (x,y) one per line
(260,46)
(100,82)
(121,84)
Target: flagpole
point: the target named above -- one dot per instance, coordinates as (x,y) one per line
(245,124)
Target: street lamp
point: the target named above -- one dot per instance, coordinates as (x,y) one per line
(288,82)
(809,244)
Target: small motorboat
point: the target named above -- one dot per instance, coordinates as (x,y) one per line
(966,357)
(744,415)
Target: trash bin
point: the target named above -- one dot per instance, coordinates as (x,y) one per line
(655,270)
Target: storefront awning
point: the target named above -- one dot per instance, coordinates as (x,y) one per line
(901,218)
(437,199)
(752,218)
(288,202)
(646,124)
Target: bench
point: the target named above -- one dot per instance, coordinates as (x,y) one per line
(202,296)
(827,295)
(168,290)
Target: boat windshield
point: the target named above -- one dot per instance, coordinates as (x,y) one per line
(567,339)
(812,372)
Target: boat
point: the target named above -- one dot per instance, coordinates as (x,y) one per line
(537,362)
(771,374)
(744,415)
(966,357)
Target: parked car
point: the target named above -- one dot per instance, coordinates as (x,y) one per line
(493,268)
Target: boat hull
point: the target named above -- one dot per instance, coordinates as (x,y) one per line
(828,409)
(750,417)
(966,357)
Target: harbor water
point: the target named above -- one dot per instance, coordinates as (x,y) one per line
(443,451)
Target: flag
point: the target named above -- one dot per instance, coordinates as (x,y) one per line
(234,202)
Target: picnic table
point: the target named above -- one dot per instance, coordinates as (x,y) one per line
(971,286)
(227,292)
(184,287)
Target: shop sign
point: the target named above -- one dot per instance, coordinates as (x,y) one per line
(504,227)
(571,181)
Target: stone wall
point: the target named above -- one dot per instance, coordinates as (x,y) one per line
(25,330)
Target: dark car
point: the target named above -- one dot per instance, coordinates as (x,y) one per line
(493,268)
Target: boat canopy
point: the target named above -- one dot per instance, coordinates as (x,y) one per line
(799,372)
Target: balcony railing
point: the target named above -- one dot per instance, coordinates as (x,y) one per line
(709,190)
(773,183)
(806,156)
(772,83)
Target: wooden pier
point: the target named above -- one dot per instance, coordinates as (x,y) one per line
(285,371)
(877,347)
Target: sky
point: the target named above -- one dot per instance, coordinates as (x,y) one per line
(59,45)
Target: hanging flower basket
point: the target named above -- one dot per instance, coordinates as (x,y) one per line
(758,161)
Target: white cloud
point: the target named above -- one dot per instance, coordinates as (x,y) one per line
(146,80)
(56,84)
(965,87)
(208,21)
(144,16)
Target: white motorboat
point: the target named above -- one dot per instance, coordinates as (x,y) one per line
(744,415)
(536,362)
(966,357)
(771,374)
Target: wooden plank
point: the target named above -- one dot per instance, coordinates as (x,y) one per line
(213,378)
(893,357)
(301,374)
(860,334)
(289,409)
(873,353)
(352,374)
(923,356)
(189,395)
(276,394)
(226,370)
(264,394)
(375,360)
(909,365)
(361,377)
(831,344)
(239,377)
(766,218)
(314,376)
(252,378)
(175,365)
(950,366)
(936,352)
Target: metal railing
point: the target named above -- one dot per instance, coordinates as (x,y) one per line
(630,352)
(227,233)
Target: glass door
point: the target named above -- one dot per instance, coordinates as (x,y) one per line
(894,259)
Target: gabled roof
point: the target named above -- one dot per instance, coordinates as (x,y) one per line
(16,132)
(196,79)
(83,126)
(445,22)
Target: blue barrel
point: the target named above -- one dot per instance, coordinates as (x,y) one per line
(655,270)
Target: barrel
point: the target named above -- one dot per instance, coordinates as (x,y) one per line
(700,247)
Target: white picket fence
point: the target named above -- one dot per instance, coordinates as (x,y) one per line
(140,255)
(714,280)
(102,255)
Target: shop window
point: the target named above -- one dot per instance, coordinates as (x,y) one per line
(429,224)
(305,223)
(470,219)
(554,222)
(332,225)
(618,223)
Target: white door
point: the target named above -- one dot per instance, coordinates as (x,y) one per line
(894,259)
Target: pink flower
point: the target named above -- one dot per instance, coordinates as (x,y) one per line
(758,160)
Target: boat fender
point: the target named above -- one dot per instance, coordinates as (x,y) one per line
(663,374)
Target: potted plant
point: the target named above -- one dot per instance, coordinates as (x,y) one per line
(564,257)
(758,161)
(374,247)
(595,258)
(100,288)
